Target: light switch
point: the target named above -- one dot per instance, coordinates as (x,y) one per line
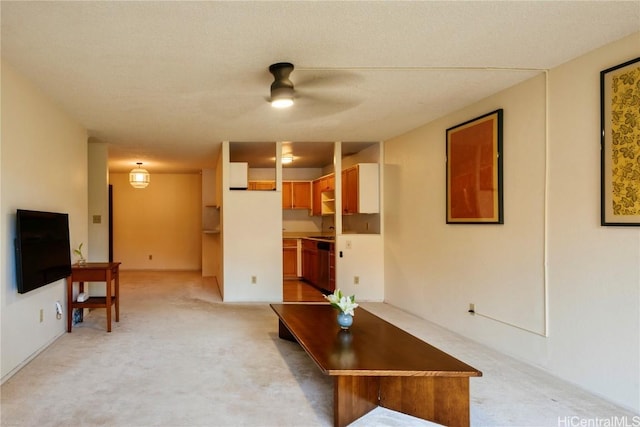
(97,219)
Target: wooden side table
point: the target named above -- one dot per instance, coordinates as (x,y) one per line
(107,272)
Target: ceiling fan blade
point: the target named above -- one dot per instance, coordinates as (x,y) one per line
(326,79)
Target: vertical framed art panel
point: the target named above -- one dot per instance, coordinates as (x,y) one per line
(474,171)
(620,144)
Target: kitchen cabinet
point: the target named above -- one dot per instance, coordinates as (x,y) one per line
(262,185)
(238,175)
(290,258)
(332,268)
(318,264)
(296,195)
(310,261)
(361,189)
(316,209)
(323,195)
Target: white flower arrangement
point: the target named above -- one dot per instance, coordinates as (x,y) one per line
(342,302)
(78,252)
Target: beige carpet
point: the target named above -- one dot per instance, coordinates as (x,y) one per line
(180,357)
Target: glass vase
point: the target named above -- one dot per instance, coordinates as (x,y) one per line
(345,320)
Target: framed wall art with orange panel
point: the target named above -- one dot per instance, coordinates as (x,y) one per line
(620,144)
(474,171)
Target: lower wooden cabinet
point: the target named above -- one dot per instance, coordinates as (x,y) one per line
(332,268)
(290,258)
(312,271)
(310,261)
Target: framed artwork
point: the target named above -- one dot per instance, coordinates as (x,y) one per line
(474,171)
(620,144)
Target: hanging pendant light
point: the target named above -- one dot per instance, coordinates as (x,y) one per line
(138,177)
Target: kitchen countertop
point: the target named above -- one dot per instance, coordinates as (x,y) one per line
(312,235)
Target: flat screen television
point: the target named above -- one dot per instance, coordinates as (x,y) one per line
(43,252)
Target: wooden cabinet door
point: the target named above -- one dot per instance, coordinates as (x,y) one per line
(262,185)
(301,195)
(317,197)
(332,268)
(330,183)
(350,190)
(289,262)
(310,261)
(287,195)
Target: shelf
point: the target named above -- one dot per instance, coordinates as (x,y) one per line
(93,302)
(211,231)
(328,206)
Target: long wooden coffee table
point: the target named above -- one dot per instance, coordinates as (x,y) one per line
(375,363)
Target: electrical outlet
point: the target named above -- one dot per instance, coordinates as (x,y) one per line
(41,315)
(472,308)
(356,280)
(254,280)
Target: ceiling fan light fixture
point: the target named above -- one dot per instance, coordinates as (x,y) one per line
(281,102)
(281,88)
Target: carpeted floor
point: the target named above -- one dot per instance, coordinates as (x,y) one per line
(180,357)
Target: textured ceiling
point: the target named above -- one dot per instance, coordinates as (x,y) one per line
(165,82)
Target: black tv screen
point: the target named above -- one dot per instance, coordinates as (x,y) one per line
(43,252)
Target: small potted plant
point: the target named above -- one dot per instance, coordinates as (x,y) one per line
(345,306)
(78,252)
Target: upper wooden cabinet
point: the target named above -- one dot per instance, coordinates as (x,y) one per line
(296,195)
(262,185)
(325,184)
(361,189)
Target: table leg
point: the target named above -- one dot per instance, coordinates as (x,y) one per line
(444,400)
(284,333)
(108,300)
(69,303)
(353,397)
(117,292)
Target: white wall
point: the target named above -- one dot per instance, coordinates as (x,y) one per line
(251,239)
(252,242)
(579,319)
(163,220)
(210,221)
(44,167)
(594,271)
(362,256)
(96,249)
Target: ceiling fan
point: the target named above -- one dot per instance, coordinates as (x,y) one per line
(281,88)
(323,90)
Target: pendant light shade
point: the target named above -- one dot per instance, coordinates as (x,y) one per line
(138,177)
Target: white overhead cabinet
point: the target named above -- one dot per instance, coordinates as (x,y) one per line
(361,189)
(238,175)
